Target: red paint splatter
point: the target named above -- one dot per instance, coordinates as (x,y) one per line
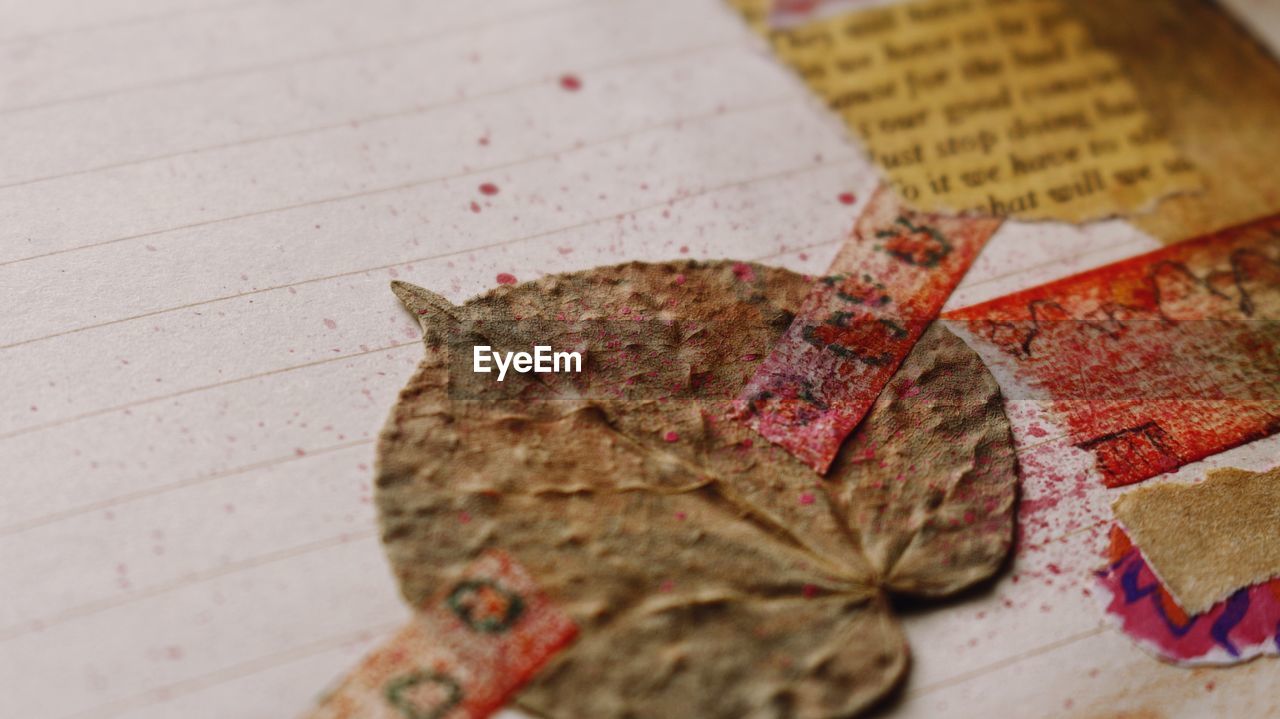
(475,207)
(809,591)
(572,83)
(488,188)
(806,498)
(671,437)
(847,198)
(506,278)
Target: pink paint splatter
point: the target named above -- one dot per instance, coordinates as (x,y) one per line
(506,278)
(330,324)
(572,83)
(806,498)
(671,437)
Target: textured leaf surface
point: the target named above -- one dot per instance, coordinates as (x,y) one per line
(711,574)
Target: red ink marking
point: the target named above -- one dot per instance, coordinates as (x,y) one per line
(806,498)
(506,278)
(847,198)
(488,188)
(475,206)
(671,437)
(572,83)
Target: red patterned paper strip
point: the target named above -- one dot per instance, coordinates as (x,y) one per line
(461,657)
(886,285)
(1155,361)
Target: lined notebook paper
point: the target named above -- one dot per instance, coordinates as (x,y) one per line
(201,206)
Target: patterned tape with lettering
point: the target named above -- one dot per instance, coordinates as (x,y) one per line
(463,656)
(886,285)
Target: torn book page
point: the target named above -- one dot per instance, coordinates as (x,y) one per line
(1006,109)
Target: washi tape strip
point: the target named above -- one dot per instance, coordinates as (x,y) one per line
(463,656)
(885,286)
(1243,626)
(1152,362)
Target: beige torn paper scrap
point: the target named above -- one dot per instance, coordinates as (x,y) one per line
(1208,539)
(999,107)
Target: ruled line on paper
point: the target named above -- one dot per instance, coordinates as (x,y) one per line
(750,107)
(141,19)
(313,58)
(163,693)
(201,388)
(93,607)
(124,498)
(1008,661)
(668,202)
(419,109)
(1132,247)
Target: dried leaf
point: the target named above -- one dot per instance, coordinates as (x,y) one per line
(711,574)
